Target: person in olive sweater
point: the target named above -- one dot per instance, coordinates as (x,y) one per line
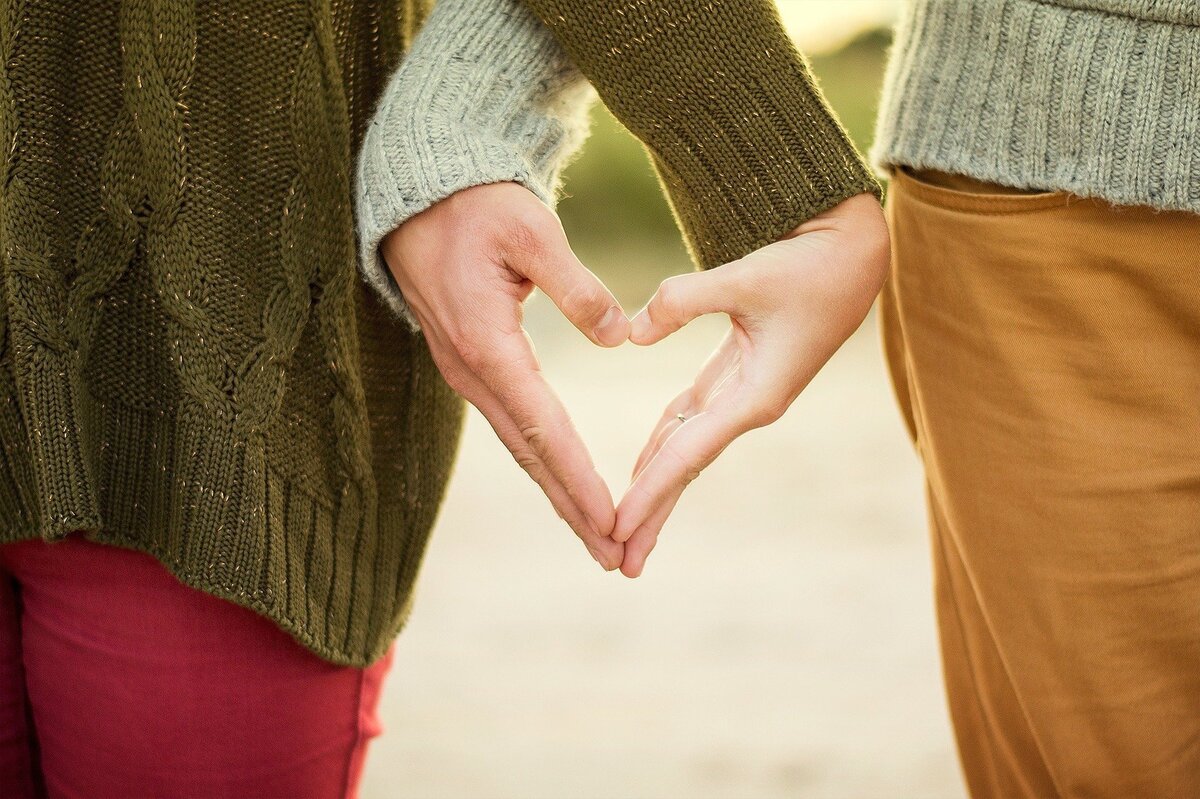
(222,453)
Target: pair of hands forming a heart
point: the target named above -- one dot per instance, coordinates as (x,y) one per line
(467,264)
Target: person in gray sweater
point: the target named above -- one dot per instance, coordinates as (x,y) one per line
(1042,328)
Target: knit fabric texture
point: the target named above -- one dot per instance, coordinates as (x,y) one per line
(1097,97)
(735,124)
(190,363)
(485,95)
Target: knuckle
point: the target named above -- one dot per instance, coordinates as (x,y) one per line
(880,255)
(530,463)
(460,340)
(471,346)
(526,230)
(688,469)
(475,358)
(535,435)
(457,380)
(668,300)
(584,302)
(767,413)
(576,480)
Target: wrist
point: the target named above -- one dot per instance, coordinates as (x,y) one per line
(484,96)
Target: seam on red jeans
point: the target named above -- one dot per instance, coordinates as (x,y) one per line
(347,792)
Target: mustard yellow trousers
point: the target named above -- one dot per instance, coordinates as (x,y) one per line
(1045,351)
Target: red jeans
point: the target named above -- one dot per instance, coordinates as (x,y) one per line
(119,681)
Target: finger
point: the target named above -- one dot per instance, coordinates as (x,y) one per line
(661,433)
(515,379)
(716,375)
(680,406)
(680,459)
(550,263)
(608,553)
(645,537)
(679,300)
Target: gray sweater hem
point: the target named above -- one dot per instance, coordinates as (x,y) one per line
(1047,95)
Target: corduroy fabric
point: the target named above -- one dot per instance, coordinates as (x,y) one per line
(190,364)
(498,101)
(1097,97)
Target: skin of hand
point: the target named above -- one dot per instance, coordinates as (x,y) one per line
(791,304)
(466,265)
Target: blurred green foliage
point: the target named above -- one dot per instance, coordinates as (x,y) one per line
(614,211)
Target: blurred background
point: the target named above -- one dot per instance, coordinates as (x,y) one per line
(781,641)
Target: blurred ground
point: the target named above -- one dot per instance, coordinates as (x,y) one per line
(781,641)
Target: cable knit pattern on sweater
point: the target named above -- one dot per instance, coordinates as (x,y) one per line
(190,364)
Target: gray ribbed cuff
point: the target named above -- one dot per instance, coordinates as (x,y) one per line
(1051,95)
(485,95)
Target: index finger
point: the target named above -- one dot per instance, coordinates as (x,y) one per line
(654,493)
(514,377)
(607,552)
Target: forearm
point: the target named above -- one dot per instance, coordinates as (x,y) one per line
(743,141)
(485,95)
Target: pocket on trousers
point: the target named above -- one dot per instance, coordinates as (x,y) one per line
(966,194)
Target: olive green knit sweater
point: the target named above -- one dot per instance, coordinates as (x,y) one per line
(190,364)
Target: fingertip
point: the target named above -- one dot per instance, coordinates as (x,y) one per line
(616,558)
(614,328)
(603,528)
(597,506)
(652,335)
(609,558)
(641,329)
(638,550)
(623,529)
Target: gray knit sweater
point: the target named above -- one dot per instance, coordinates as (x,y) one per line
(1097,97)
(485,95)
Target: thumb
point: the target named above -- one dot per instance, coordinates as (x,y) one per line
(587,303)
(679,300)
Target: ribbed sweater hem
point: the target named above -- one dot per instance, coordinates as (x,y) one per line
(282,555)
(1035,94)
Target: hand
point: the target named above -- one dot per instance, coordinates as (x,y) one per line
(791,305)
(465,266)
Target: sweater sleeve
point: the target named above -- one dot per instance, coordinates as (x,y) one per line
(739,133)
(486,94)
